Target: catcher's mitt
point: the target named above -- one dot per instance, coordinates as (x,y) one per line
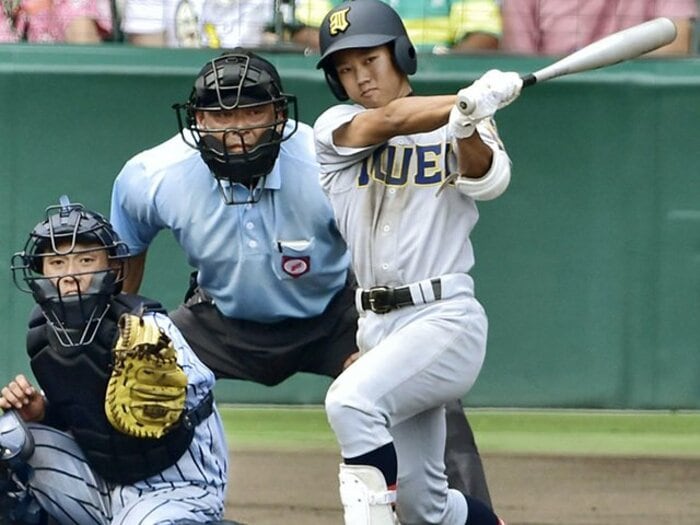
(146,391)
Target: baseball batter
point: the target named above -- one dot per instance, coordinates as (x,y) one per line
(403,174)
(82,469)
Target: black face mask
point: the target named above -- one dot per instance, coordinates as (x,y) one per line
(75,318)
(245,168)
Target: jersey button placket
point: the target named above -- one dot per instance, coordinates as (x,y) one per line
(249,217)
(386,234)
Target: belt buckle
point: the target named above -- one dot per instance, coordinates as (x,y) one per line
(380,299)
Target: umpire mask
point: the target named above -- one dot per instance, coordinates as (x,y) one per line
(72,264)
(239,95)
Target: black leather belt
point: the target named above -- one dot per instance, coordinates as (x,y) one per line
(382,299)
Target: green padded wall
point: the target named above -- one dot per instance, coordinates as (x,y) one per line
(588,266)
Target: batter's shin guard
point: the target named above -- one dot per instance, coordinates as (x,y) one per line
(366,499)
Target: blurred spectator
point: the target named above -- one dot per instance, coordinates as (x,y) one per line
(433,26)
(558,27)
(66,21)
(196,23)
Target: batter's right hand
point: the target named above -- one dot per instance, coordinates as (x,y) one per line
(505,86)
(19,394)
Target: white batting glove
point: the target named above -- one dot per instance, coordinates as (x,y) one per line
(461,126)
(489,93)
(505,86)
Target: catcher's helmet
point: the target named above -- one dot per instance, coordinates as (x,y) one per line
(74,317)
(234,80)
(362,24)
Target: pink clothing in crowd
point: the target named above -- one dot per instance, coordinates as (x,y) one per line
(558,27)
(47,20)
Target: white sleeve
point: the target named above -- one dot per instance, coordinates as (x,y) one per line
(496,180)
(330,156)
(492,184)
(334,160)
(200,378)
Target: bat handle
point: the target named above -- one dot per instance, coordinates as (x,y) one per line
(529,80)
(466,105)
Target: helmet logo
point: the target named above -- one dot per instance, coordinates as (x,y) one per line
(338,21)
(295,266)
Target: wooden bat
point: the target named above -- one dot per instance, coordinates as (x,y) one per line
(612,49)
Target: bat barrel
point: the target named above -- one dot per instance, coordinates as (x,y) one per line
(612,49)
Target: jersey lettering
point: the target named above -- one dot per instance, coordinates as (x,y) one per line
(429,170)
(392,165)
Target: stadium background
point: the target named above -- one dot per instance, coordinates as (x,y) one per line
(589,266)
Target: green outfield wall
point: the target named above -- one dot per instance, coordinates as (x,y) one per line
(589,266)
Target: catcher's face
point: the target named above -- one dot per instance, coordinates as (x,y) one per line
(239,129)
(370,76)
(72,272)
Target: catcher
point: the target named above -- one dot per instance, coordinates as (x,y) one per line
(123,423)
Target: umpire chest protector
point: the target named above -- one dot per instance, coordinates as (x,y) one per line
(74,381)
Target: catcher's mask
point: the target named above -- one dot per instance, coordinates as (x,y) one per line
(70,230)
(358,24)
(237,80)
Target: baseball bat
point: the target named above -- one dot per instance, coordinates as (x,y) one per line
(612,49)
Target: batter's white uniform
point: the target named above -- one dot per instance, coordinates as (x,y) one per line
(400,233)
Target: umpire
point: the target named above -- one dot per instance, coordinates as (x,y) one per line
(238,187)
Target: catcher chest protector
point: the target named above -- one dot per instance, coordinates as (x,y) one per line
(363,24)
(75,380)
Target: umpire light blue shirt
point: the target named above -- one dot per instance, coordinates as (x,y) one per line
(281,257)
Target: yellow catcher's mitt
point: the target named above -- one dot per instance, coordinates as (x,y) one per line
(146,391)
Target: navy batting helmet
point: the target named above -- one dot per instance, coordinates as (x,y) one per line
(362,24)
(74,317)
(237,79)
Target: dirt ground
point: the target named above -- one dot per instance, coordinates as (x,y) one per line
(300,488)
